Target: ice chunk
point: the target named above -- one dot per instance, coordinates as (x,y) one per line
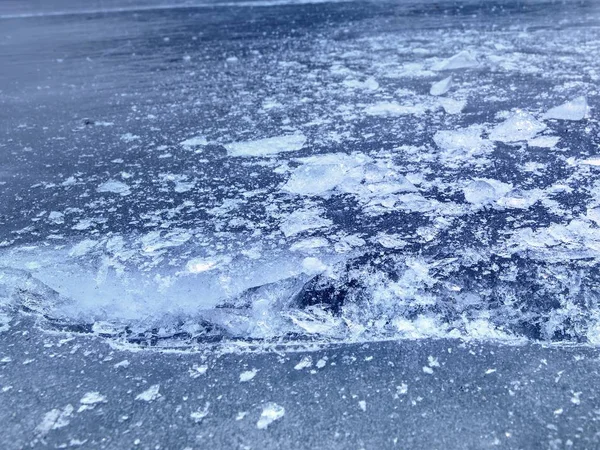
(483,191)
(394,109)
(92,398)
(441,87)
(544,141)
(55,419)
(321,174)
(310,244)
(313,266)
(462,60)
(270,413)
(303,220)
(452,106)
(149,394)
(576,109)
(521,126)
(114,186)
(462,143)
(248,375)
(591,161)
(196,141)
(370,84)
(267,146)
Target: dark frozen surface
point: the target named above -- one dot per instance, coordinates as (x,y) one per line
(476,396)
(210,189)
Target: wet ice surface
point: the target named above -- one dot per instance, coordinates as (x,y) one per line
(371,172)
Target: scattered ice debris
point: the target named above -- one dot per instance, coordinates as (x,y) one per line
(55,419)
(193,142)
(115,187)
(484,191)
(200,414)
(521,126)
(248,375)
(441,87)
(149,394)
(268,146)
(576,109)
(304,363)
(362,405)
(270,413)
(462,60)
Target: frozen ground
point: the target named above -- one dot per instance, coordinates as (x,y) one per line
(212,177)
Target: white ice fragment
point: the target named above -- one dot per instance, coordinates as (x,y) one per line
(452,106)
(390,240)
(115,187)
(593,214)
(248,375)
(591,161)
(199,265)
(200,414)
(304,363)
(362,405)
(124,364)
(544,141)
(54,419)
(129,137)
(461,144)
(521,126)
(196,141)
(149,394)
(92,398)
(197,370)
(267,146)
(370,84)
(427,370)
(387,109)
(576,109)
(462,60)
(483,191)
(441,87)
(321,363)
(313,266)
(270,413)
(83,247)
(303,220)
(56,217)
(490,371)
(309,244)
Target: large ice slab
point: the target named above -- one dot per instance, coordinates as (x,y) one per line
(576,109)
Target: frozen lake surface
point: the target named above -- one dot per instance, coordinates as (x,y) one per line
(228,184)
